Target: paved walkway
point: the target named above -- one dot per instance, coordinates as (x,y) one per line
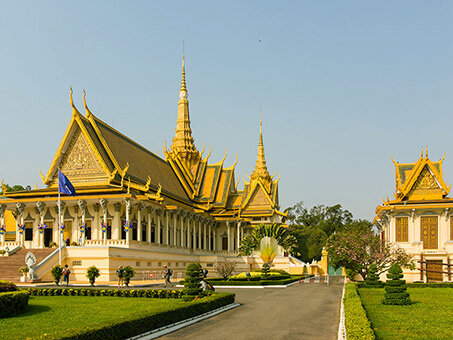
(303,311)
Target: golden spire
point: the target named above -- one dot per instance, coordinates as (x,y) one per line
(183,143)
(261,167)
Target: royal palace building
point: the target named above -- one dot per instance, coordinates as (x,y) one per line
(133,207)
(419,219)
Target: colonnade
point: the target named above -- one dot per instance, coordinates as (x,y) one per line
(170,225)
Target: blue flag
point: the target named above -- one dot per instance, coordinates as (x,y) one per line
(64,185)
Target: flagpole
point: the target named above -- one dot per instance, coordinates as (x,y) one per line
(59,219)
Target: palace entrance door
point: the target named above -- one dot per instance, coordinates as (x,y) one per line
(67,232)
(435,265)
(48,236)
(429,232)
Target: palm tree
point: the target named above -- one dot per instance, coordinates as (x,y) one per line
(276,230)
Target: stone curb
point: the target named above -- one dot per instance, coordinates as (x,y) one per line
(181,324)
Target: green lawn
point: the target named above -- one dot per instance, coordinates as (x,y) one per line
(430,317)
(54,317)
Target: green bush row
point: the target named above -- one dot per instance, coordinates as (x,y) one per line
(147,323)
(7,286)
(146,293)
(13,303)
(252,283)
(356,322)
(430,285)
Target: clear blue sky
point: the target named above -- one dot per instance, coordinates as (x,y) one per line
(343,84)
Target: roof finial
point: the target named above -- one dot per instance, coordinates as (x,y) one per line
(421,155)
(427,151)
(183,90)
(74,109)
(261,167)
(87,110)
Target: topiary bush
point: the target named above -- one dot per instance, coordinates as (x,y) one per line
(265,269)
(372,279)
(92,274)
(129,273)
(395,289)
(6,286)
(57,273)
(13,303)
(192,286)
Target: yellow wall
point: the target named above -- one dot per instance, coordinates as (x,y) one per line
(10,222)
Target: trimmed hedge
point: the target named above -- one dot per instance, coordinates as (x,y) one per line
(13,303)
(7,286)
(252,283)
(144,293)
(356,322)
(131,328)
(430,285)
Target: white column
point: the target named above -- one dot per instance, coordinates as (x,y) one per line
(2,222)
(139,222)
(20,208)
(159,234)
(167,240)
(82,207)
(204,237)
(181,216)
(103,203)
(175,236)
(229,235)
(188,230)
(194,233)
(215,237)
(128,211)
(116,222)
(238,241)
(200,246)
(209,238)
(148,231)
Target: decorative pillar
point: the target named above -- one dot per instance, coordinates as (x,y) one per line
(20,209)
(200,221)
(194,233)
(229,235)
(159,234)
(204,235)
(2,223)
(96,223)
(82,207)
(139,221)
(41,209)
(175,236)
(215,237)
(209,241)
(182,214)
(238,236)
(189,215)
(116,223)
(128,212)
(167,230)
(103,203)
(150,211)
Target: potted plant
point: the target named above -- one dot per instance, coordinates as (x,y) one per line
(57,273)
(92,274)
(129,273)
(23,270)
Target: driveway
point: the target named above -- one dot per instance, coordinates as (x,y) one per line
(302,311)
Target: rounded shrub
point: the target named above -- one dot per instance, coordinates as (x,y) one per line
(92,274)
(395,289)
(57,273)
(129,273)
(192,286)
(6,286)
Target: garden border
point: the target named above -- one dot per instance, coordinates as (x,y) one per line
(183,323)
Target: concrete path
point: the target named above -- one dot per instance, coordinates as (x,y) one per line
(302,311)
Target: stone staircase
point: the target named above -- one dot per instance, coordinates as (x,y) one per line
(9,265)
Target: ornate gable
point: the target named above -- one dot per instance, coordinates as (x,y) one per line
(79,161)
(425,186)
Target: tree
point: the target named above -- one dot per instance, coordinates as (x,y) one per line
(312,227)
(192,286)
(395,289)
(7,188)
(129,273)
(92,274)
(225,269)
(357,247)
(281,234)
(57,273)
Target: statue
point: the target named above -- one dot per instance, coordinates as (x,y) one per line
(30,261)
